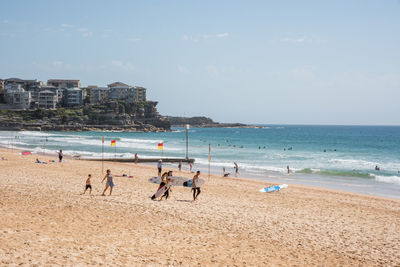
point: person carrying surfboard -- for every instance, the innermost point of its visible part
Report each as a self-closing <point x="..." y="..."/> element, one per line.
<point x="162" y="184"/>
<point x="195" y="188"/>
<point x="169" y="180"/>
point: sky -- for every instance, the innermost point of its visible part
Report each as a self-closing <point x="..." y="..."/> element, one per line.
<point x="264" y="62"/>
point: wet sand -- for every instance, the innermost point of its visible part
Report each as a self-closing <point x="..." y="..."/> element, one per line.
<point x="46" y="221"/>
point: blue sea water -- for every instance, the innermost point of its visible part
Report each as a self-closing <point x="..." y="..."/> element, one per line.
<point x="340" y="157"/>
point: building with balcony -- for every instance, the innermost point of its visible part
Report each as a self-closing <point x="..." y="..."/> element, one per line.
<point x="98" y="95"/>
<point x="73" y="97"/>
<point x="123" y="92"/>
<point x="47" y="99"/>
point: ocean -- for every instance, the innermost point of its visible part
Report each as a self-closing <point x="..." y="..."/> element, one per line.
<point x="338" y="157"/>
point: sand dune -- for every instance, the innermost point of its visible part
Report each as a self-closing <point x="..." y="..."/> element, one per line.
<point x="45" y="221"/>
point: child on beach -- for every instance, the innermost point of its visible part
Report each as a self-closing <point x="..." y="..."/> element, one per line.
<point x="109" y="183"/>
<point x="60" y="155"/>
<point x="88" y="185"/>
<point x="195" y="188"/>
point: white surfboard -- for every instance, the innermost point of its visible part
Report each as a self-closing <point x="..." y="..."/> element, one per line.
<point x="176" y="180"/>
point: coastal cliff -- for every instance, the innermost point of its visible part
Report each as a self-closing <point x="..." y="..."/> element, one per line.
<point x="205" y="122"/>
<point x="115" y="116"/>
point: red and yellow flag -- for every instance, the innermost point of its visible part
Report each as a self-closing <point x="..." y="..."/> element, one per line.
<point x="160" y="146"/>
<point x="113" y="142"/>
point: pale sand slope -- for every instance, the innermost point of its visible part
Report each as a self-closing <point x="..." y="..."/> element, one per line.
<point x="45" y="221"/>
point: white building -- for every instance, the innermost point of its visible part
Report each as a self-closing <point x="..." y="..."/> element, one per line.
<point x="127" y="93"/>
<point x="47" y="100"/>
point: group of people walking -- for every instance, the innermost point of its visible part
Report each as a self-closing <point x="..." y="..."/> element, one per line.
<point x="166" y="181"/>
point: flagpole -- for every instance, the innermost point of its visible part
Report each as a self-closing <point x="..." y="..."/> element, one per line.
<point x="102" y="155"/>
<point x="209" y="160"/>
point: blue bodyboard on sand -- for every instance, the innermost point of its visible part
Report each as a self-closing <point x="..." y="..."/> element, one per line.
<point x="274" y="188"/>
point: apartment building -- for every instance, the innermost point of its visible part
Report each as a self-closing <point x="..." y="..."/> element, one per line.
<point x="98" y="94"/>
<point x="127" y="93"/>
<point x="64" y="83"/>
<point x="73" y="97"/>
<point x="47" y="99"/>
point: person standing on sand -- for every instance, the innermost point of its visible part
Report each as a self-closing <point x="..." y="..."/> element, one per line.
<point x="180" y="165"/>
<point x="136" y="158"/>
<point x="88" y="185"/>
<point x="195" y="188"/>
<point x="236" y="167"/>
<point x="60" y="155"/>
<point x="109" y="182"/>
<point x="159" y="167"/>
<point x="191" y="166"/>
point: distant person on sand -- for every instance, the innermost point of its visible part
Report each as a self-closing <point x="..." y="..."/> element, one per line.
<point x="60" y="155"/>
<point x="236" y="167"/>
<point x="159" y="167"/>
<point x="88" y="185"/>
<point x="180" y="165"/>
<point x="109" y="183"/>
<point x="195" y="188"/>
<point x="136" y="158"/>
<point x="191" y="166"/>
<point x="39" y="161"/>
<point x="288" y="169"/>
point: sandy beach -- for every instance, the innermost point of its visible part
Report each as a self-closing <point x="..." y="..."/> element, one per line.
<point x="46" y="221"/>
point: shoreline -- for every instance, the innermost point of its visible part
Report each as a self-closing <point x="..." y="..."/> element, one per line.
<point x="46" y="220"/>
<point x="268" y="182"/>
<point x="278" y="178"/>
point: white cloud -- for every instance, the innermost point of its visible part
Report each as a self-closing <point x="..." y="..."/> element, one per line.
<point x="135" y="40"/>
<point x="213" y="70"/>
<point x="304" y="73"/>
<point x="122" y="65"/>
<point x="202" y="37"/>
<point x="58" y="64"/>
<point x="222" y="35"/>
<point x="182" y="69"/>
<point x="85" y="32"/>
<point x="66" y="25"/>
<point x="302" y="39"/>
